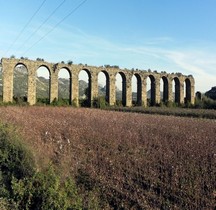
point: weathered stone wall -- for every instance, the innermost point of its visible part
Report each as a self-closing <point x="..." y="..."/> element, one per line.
<point x="181" y="82"/>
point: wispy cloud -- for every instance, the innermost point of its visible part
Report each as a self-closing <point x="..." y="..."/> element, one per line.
<point x="158" y="40"/>
<point x="198" y="62"/>
<point x="161" y="53"/>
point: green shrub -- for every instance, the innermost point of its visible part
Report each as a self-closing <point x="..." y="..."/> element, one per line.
<point x="45" y="101"/>
<point x="60" y="102"/>
<point x="100" y="102"/>
<point x="118" y="103"/>
<point x="6" y="204"/>
<point x="15" y="159"/>
<point x="205" y="103"/>
<point x="84" y="103"/>
<point x="15" y="162"/>
<point x="20" y="100"/>
<point x="45" y="191"/>
<point x="22" y="188"/>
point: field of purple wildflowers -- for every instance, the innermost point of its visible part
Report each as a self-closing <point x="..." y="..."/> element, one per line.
<point x="126" y="160"/>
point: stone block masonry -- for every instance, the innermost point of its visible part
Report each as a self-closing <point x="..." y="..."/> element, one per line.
<point x="183" y="90"/>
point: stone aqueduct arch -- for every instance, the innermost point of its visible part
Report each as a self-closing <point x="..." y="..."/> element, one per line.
<point x="9" y="64"/>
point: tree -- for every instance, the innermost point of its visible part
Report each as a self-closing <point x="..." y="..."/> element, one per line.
<point x="39" y="59"/>
<point x="45" y="190"/>
<point x="70" y="62"/>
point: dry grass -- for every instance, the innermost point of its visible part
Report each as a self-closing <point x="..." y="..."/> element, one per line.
<point x="137" y="161"/>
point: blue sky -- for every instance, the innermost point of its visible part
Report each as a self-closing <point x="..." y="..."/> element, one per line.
<point x="163" y="35"/>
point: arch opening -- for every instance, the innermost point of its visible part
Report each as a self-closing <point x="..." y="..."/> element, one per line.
<point x="198" y="95"/>
<point x="151" y="90"/>
<point x="64" y="86"/>
<point x="43" y="85"/>
<point x="120" y="89"/>
<point x="136" y="90"/>
<point x="20" y="84"/>
<point x="187" y="92"/>
<point x="84" y="88"/>
<point x="176" y="88"/>
<point x="103" y="86"/>
<point x="164" y="89"/>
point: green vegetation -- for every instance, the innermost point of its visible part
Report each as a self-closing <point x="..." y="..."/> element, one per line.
<point x="111" y="66"/>
<point x="43" y="101"/>
<point x="204" y="108"/>
<point x="205" y="103"/>
<point x="175" y="111"/>
<point x="40" y="59"/>
<point x="60" y="102"/>
<point x="100" y="102"/>
<point x="70" y="62"/>
<point x="45" y="190"/>
<point x="23" y="186"/>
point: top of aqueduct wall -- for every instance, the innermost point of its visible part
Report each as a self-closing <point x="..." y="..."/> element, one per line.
<point x="92" y="70"/>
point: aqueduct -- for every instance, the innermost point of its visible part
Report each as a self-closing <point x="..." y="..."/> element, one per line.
<point x="180" y="92"/>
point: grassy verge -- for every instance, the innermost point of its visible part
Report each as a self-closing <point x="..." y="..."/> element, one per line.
<point x="182" y="112"/>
